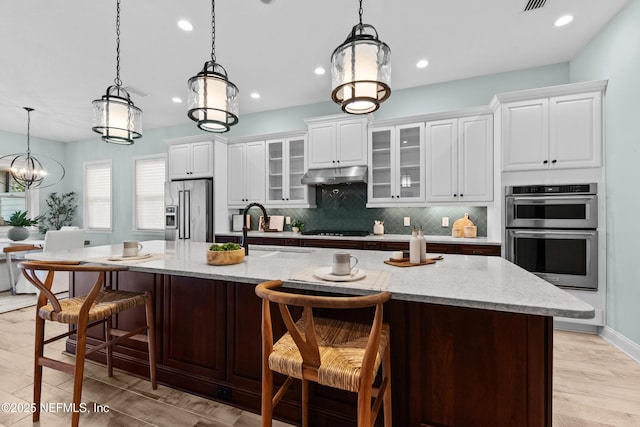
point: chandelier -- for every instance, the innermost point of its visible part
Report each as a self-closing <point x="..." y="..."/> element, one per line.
<point x="361" y="70"/>
<point x="27" y="170"/>
<point x="212" y="98"/>
<point x="116" y="118"/>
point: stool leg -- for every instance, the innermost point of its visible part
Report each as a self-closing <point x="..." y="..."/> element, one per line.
<point x="364" y="406"/>
<point x="107" y="336"/>
<point x="386" y="373"/>
<point x="266" y="411"/>
<point x="305" y="403"/>
<point x="78" y="375"/>
<point x="151" y="338"/>
<point x="37" y="367"/>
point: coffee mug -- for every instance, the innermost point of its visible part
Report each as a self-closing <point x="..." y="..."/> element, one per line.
<point x="342" y="263"/>
<point x="131" y="248"/>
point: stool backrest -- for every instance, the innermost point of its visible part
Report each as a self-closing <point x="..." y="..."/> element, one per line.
<point x="307" y="344"/>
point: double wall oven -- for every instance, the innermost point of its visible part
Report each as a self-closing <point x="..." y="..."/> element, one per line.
<point x="551" y="231"/>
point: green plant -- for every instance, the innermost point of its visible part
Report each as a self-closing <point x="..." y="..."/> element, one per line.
<point x="19" y="219"/>
<point x="62" y="211"/>
<point x="229" y="246"/>
<point x="297" y="223"/>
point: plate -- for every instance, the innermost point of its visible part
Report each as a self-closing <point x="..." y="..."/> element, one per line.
<point x="127" y="258"/>
<point x="324" y="273"/>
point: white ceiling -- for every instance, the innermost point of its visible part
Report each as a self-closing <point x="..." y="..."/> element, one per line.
<point x="58" y="55"/>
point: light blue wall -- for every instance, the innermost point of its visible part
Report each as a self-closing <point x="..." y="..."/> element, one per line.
<point x="614" y="54"/>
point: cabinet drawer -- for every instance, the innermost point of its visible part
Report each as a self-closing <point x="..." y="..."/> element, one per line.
<point x="225" y="239"/>
<point x="395" y="246"/>
<point x="372" y="246"/>
<point x="487" y="250"/>
<point x="443" y="248"/>
<point x="338" y="244"/>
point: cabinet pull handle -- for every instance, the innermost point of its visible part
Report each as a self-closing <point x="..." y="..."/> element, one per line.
<point x="545" y="162"/>
<point x="553" y="161"/>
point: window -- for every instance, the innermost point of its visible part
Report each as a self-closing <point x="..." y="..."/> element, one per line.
<point x="97" y="195"/>
<point x="150" y="175"/>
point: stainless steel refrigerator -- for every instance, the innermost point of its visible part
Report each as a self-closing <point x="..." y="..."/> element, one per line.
<point x="188" y="210"/>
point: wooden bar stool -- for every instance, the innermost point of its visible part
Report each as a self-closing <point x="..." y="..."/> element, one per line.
<point x="332" y="353"/>
<point x="98" y="306"/>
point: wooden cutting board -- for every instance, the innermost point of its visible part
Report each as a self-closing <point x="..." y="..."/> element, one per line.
<point x="404" y="262"/>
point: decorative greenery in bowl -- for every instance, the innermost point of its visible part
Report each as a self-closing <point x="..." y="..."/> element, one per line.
<point x="225" y="254"/>
<point x="297" y="225"/>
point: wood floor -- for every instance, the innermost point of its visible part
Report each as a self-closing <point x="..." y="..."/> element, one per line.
<point x="594" y="385"/>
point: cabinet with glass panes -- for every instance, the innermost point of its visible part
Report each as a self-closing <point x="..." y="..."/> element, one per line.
<point x="286" y="164"/>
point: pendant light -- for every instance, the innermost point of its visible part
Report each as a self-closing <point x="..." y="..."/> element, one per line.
<point x="115" y="116"/>
<point x="361" y="70"/>
<point x="212" y="98"/>
<point x="27" y="170"/>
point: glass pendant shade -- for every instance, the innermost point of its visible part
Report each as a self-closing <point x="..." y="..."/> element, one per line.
<point x="361" y="71"/>
<point x="212" y="99"/>
<point x="116" y="118"/>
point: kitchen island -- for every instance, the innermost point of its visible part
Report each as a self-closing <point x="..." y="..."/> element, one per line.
<point x="471" y="336"/>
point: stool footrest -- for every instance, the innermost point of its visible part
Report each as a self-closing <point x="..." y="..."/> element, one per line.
<point x="56" y="364"/>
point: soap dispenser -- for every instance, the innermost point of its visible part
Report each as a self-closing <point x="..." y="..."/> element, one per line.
<point x="414" y="247"/>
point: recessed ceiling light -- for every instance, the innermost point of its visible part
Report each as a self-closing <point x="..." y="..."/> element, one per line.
<point x="255" y="95"/>
<point x="564" y="20"/>
<point x="185" y="25"/>
<point x="176" y="100"/>
<point x="422" y="63"/>
<point x="319" y="71"/>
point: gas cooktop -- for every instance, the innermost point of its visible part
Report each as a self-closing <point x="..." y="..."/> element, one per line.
<point x="335" y="233"/>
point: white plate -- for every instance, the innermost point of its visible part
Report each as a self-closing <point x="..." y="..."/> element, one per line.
<point x="324" y="273"/>
<point x="128" y="258"/>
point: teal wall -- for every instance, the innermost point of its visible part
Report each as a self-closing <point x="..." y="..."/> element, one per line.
<point x="614" y="54"/>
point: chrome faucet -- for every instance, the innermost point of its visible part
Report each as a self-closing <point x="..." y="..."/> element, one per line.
<point x="245" y="243"/>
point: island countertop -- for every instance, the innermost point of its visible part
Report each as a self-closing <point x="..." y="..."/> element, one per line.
<point x="489" y="283"/>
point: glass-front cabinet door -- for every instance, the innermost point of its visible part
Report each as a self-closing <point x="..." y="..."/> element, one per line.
<point x="275" y="168"/>
<point x="296" y="168"/>
<point x="286" y="164"/>
<point x="396" y="167"/>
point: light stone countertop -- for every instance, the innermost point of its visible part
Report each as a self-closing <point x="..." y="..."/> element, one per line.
<point x="474" y="281"/>
<point x="369" y="238"/>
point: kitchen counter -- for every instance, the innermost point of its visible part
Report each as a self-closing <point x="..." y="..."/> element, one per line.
<point x="489" y="283"/>
<point x="368" y="238"/>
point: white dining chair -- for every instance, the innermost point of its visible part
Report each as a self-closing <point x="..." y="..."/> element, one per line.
<point x="55" y="240"/>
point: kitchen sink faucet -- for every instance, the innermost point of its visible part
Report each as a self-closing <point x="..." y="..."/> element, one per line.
<point x="245" y="243"/>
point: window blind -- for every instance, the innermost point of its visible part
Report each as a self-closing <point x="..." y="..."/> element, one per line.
<point x="97" y="176"/>
<point x="150" y="176"/>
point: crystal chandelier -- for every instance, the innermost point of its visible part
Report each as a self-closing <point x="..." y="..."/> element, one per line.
<point x="116" y="118"/>
<point x="27" y="171"/>
<point x="361" y="70"/>
<point x="212" y="98"/>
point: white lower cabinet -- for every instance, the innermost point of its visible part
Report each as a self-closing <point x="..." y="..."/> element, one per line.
<point x="286" y="164"/>
<point x="396" y="165"/>
<point x="246" y="173"/>
<point x="460" y="159"/>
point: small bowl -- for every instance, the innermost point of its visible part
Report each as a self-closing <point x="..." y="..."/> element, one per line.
<point x="225" y="257"/>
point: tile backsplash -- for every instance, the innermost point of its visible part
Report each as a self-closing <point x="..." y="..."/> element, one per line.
<point x="344" y="208"/>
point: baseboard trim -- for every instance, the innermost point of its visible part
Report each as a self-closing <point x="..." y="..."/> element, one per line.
<point x="621" y="342"/>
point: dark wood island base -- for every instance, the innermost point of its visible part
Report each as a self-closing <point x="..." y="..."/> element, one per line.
<point x="451" y="366"/>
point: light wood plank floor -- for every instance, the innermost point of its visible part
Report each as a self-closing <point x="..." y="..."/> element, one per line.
<point x="594" y="385"/>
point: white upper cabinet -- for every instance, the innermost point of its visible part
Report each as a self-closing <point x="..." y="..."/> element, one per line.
<point x="460" y="159"/>
<point x="191" y="160"/>
<point x="557" y="132"/>
<point x="286" y="164"/>
<point x="396" y="166"/>
<point x="337" y="142"/>
<point x="246" y="173"/>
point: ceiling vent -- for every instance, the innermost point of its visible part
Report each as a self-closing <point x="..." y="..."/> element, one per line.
<point x="534" y="4"/>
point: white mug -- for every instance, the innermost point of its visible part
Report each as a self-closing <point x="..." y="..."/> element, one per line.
<point x="131" y="248"/>
<point x="342" y="263"/>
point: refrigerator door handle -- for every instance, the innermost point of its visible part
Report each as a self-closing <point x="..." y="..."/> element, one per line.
<point x="187" y="211"/>
<point x="180" y="214"/>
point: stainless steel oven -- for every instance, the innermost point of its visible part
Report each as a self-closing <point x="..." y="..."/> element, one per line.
<point x="551" y="232"/>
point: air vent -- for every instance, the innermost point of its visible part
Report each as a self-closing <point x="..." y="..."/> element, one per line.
<point x="534" y="4"/>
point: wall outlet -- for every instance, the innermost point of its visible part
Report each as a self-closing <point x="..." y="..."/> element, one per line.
<point x="287" y="220"/>
<point x="445" y="221"/>
<point x="407" y="221"/>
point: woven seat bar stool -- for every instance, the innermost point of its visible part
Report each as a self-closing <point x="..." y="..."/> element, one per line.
<point x="332" y="353"/>
<point x="97" y="307"/>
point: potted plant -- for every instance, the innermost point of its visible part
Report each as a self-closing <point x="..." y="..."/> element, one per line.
<point x="297" y="226"/>
<point x="62" y="210"/>
<point x="225" y="254"/>
<point x="19" y="222"/>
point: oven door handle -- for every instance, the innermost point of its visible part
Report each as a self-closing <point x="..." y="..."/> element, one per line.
<point x="556" y="232"/>
<point x="560" y="199"/>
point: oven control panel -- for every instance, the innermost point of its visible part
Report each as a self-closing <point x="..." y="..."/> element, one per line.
<point x="552" y="189"/>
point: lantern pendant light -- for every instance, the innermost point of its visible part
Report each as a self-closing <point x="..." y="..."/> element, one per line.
<point x="27" y="171"/>
<point x="116" y="118"/>
<point x="361" y="70"/>
<point x="212" y="98"/>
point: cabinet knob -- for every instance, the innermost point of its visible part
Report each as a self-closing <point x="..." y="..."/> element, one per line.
<point x="333" y="161"/>
<point x="398" y="196"/>
<point x="461" y="195"/>
<point x="553" y="161"/>
<point x="545" y="162"/>
<point x="455" y="194"/>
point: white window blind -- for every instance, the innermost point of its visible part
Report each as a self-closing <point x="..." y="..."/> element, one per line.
<point x="150" y="176"/>
<point x="97" y="195"/>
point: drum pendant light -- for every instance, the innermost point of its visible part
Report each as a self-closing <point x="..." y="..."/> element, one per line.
<point x="212" y="98"/>
<point x="28" y="171"/>
<point x="116" y="118"/>
<point x="361" y="70"/>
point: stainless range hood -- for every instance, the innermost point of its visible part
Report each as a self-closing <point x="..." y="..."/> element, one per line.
<point x="331" y="176"/>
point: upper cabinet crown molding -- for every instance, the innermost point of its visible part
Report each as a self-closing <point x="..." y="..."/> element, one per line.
<point x="268" y="136"/>
<point x="442" y="115"/>
<point x="550" y="91"/>
<point x="196" y="138"/>
<point x="337" y="117"/>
